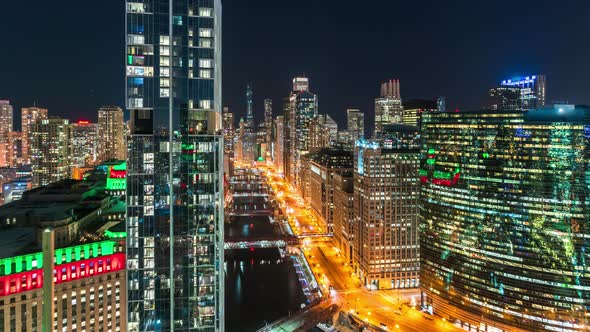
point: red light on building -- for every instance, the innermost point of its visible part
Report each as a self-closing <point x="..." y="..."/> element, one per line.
<point x="83" y="122"/>
<point x="26" y="281"/>
<point x="115" y="174"/>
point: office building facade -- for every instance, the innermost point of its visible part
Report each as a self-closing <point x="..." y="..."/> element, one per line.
<point x="386" y="191"/>
<point x="175" y="166"/>
<point x="532" y="90"/>
<point x="504" y="223"/>
<point x="355" y="125"/>
<point x="388" y="107"/>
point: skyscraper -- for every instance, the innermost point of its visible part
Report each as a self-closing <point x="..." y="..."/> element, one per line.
<point x="6" y="119"/>
<point x="175" y="172"/>
<point x="268" y="120"/>
<point x="84" y="143"/>
<point x="505" y="220"/>
<point x="228" y="131"/>
<point x="355" y="120"/>
<point x="504" y="98"/>
<point x="6" y="116"/>
<point x="532" y="90"/>
<point x="414" y="108"/>
<point x="50" y="152"/>
<point x="249" y="135"/>
<point x="30" y="115"/>
<point x="279" y="143"/>
<point x="303" y="107"/>
<point x="388" y="108"/>
<point x="386" y="188"/>
<point x="111" y="133"/>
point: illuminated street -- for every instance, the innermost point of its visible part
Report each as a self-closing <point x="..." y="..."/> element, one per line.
<point x="385" y="307"/>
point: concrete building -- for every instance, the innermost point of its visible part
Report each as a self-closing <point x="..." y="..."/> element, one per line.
<point x="29" y="117"/>
<point x="386" y="191"/>
<point x="51" y="157"/>
<point x="324" y="165"/>
<point x="111" y="133"/>
<point x="343" y="214"/>
<point x="89" y="289"/>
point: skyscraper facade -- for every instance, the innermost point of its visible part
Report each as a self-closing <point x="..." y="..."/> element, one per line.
<point x="228" y="131"/>
<point x="386" y="191"/>
<point x="84" y="143"/>
<point x="268" y="120"/>
<point x="175" y="166"/>
<point x="111" y="133"/>
<point x="355" y="120"/>
<point x="303" y="107"/>
<point x="279" y="143"/>
<point x="6" y="120"/>
<point x="414" y="108"/>
<point x="388" y="108"/>
<point x="532" y="90"/>
<point x="504" y="218"/>
<point x="29" y="116"/>
<point x="504" y="98"/>
<point x="249" y="135"/>
<point x="50" y="152"/>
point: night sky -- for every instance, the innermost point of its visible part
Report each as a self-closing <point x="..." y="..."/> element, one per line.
<point x="68" y="55"/>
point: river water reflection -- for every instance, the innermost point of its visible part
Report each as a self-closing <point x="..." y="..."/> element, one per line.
<point x="260" y="285"/>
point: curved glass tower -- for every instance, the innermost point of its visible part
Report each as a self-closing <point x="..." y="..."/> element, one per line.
<point x="505" y="218"/>
<point x="174" y="180"/>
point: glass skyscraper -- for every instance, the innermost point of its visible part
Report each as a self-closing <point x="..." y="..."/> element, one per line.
<point x="505" y="218"/>
<point x="175" y="165"/>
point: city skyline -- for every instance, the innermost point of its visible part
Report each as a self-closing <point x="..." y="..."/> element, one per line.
<point x="322" y="166"/>
<point x="451" y="71"/>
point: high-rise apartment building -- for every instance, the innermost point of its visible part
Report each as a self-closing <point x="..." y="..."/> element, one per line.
<point x="6" y="116"/>
<point x="332" y="129"/>
<point x="30" y="116"/>
<point x="532" y="91"/>
<point x="89" y="289"/>
<point x="175" y="166"/>
<point x="50" y="152"/>
<point x="355" y="125"/>
<point x="111" y="133"/>
<point x="6" y="129"/>
<point x="84" y="143"/>
<point x="388" y="107"/>
<point x="386" y="188"/>
<point x="505" y="220"/>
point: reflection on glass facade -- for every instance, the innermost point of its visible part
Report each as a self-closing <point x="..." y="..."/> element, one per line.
<point x="174" y="167"/>
<point x="505" y="218"/>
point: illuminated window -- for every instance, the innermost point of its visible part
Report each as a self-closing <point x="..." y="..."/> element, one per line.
<point x="205" y="12"/>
